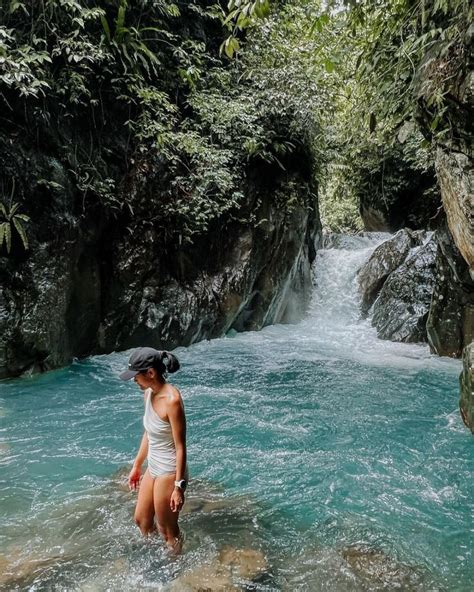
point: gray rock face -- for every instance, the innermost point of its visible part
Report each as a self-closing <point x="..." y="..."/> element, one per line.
<point x="385" y="259"/>
<point x="454" y="149"/>
<point x="422" y="291"/>
<point x="467" y="387"/>
<point x="450" y="324"/>
<point x="456" y="178"/>
<point x="93" y="290"/>
<point x="401" y="310"/>
<point x="243" y="279"/>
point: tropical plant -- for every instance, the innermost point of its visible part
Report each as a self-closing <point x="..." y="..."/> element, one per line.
<point x="11" y="219"/>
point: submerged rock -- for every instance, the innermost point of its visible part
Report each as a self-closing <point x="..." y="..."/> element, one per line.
<point x="245" y="563"/>
<point x="377" y="569"/>
<point x="467" y="387"/>
<point x="401" y="310"/>
<point x="232" y="571"/>
<point x="358" y="567"/>
<point x="384" y="260"/>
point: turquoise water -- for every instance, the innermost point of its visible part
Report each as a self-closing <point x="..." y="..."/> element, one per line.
<point x="339" y="457"/>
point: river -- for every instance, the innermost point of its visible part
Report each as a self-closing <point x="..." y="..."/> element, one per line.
<point x="338" y="459"/>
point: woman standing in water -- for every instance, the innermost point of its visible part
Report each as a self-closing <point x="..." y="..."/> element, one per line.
<point x="161" y="490"/>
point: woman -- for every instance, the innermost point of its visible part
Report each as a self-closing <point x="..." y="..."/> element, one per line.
<point x="161" y="490"/>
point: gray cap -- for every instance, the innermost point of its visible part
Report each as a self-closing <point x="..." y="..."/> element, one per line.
<point x="142" y="359"/>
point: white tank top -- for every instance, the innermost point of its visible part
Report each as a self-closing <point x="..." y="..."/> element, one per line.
<point x="161" y="448"/>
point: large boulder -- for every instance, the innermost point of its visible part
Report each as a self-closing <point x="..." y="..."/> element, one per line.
<point x="95" y="288"/>
<point x="450" y="324"/>
<point x="384" y="260"/>
<point x="401" y="310"/>
<point x="467" y="387"/>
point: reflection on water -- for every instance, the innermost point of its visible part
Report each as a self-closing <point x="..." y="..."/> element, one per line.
<point x="321" y="457"/>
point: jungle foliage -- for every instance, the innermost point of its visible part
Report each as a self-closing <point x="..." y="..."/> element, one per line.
<point x="381" y="154"/>
<point x="197" y="91"/>
<point x="376" y="53"/>
<point x="122" y="89"/>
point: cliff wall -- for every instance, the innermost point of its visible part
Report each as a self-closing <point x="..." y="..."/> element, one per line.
<point x="94" y="284"/>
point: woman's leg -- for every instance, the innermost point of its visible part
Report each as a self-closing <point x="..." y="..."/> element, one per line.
<point x="145" y="510"/>
<point x="166" y="519"/>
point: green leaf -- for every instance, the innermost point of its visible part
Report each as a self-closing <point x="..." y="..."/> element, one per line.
<point x="316" y="25"/>
<point x="13" y="209"/>
<point x="324" y="18"/>
<point x="8" y="236"/>
<point x="21" y="232"/>
<point x="434" y="124"/>
<point x="121" y="15"/>
<point x="106" y="27"/>
<point x="329" y="65"/>
<point x="230" y="16"/>
<point x="228" y="46"/>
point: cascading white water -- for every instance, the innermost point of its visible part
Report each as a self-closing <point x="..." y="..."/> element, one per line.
<point x="334" y="323"/>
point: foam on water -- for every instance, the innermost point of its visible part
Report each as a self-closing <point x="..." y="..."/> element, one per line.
<point x="340" y="457"/>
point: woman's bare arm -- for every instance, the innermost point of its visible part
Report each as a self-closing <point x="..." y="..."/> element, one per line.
<point x="135" y="473"/>
<point x="142" y="451"/>
<point x="178" y="427"/>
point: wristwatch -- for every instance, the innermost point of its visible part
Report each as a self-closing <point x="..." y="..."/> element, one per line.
<point x="181" y="484"/>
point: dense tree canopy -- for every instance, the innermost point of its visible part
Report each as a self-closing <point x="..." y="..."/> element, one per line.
<point x="203" y="88"/>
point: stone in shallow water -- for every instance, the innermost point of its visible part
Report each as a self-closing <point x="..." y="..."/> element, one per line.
<point x="378" y="569"/>
<point x="19" y="571"/>
<point x="207" y="578"/>
<point x="353" y="568"/>
<point x="219" y="575"/>
<point x="383" y="261"/>
<point x="246" y="563"/>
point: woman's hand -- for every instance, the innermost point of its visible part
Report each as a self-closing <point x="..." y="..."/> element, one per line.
<point x="177" y="500"/>
<point x="134" y="477"/>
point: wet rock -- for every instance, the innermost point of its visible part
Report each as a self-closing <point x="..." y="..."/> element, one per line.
<point x="401" y="310"/>
<point x="19" y="572"/>
<point x="467" y="387"/>
<point x="384" y="260"/>
<point x="93" y="289"/>
<point x="358" y="567"/>
<point x="376" y="568"/>
<point x="231" y="571"/>
<point x="245" y="563"/>
<point x="450" y="324"/>
<point x="208" y="578"/>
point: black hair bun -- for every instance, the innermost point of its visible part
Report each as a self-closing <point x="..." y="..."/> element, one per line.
<point x="170" y="362"/>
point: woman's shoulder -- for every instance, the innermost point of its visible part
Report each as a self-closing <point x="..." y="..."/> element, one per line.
<point x="174" y="396"/>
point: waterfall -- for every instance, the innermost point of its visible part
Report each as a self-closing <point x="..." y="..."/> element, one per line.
<point x="334" y="325"/>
